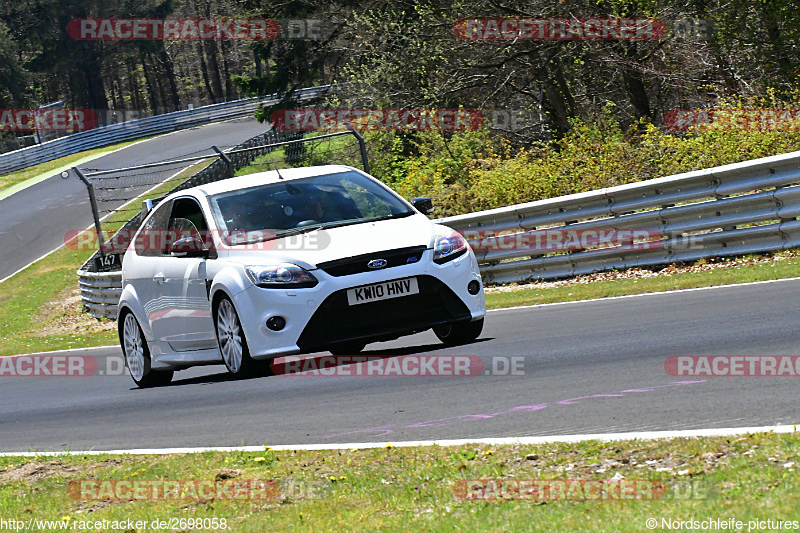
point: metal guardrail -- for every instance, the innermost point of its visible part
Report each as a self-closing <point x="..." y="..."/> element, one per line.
<point x="143" y="127"/>
<point x="734" y="209"/>
<point x="100" y="292"/>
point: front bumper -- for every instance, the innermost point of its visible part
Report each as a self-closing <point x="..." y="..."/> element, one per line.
<point x="319" y="316"/>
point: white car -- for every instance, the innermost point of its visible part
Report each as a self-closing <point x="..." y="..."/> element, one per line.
<point x="284" y="262"/>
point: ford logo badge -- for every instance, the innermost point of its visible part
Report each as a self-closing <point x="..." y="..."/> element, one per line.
<point x="377" y="263"/>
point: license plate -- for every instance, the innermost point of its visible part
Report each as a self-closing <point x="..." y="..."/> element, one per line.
<point x="382" y="291"/>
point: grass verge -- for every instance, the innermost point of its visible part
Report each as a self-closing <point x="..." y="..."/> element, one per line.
<point x="781" y="266"/>
<point x="13" y="178"/>
<point x="40" y="308"/>
<point x="752" y="477"/>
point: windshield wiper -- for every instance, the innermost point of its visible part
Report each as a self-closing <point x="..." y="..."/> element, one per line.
<point x="270" y="235"/>
<point x="387" y="217"/>
<point x="355" y="221"/>
<point x="298" y="231"/>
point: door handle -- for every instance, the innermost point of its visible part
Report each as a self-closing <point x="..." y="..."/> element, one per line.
<point x="159" y="278"/>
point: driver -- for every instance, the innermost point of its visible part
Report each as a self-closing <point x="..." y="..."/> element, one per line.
<point x="313" y="209"/>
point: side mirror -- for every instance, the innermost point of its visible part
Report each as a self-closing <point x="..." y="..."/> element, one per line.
<point x="147" y="206"/>
<point x="188" y="247"/>
<point x="423" y="205"/>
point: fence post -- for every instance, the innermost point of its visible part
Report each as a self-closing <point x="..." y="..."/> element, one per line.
<point x="89" y="187"/>
<point x="228" y="162"/>
<point x="362" y="145"/>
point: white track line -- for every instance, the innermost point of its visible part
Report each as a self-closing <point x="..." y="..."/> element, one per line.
<point x="32" y="262"/>
<point x="35" y="180"/>
<point x="65" y="350"/>
<point x="638" y="435"/>
<point x="91" y="228"/>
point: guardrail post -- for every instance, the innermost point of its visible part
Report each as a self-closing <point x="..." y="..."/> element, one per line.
<point x="93" y="201"/>
<point x="362" y="145"/>
<point x="228" y="162"/>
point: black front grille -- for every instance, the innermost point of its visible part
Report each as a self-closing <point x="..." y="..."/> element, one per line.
<point x="358" y="263"/>
<point x="337" y="321"/>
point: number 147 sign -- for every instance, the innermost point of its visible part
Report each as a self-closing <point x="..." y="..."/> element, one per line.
<point x="107" y="262"/>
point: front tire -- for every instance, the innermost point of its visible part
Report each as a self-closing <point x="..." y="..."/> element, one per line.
<point x="137" y="355"/>
<point x="459" y="333"/>
<point x="231" y="341"/>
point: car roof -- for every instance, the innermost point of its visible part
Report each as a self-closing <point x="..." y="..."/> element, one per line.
<point x="263" y="178"/>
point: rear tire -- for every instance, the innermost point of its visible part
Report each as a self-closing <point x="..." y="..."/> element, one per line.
<point x="137" y="355"/>
<point x="459" y="333"/>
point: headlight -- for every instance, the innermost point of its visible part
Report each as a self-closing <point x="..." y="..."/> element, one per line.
<point x="448" y="247"/>
<point x="284" y="275"/>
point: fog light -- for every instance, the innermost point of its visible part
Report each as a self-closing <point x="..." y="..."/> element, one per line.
<point x="276" y="323"/>
<point x="473" y="287"/>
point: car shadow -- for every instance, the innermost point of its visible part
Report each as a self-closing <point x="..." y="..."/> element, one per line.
<point x="276" y="369"/>
<point x="220" y="377"/>
<point x="423" y="348"/>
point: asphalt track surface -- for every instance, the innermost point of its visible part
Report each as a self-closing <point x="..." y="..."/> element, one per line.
<point x="34" y="221"/>
<point x="589" y="367"/>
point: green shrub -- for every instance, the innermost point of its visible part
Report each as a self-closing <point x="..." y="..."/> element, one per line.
<point x="470" y="171"/>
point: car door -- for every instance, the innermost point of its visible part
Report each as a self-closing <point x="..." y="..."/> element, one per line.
<point x="148" y="249"/>
<point x="184" y="321"/>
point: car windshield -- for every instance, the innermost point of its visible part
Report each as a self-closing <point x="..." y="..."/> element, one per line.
<point x="295" y="206"/>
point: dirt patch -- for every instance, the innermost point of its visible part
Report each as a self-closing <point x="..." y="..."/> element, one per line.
<point x="65" y="316"/>
<point x="227" y="473"/>
<point x="37" y="470"/>
<point x="54" y="268"/>
<point x="87" y="507"/>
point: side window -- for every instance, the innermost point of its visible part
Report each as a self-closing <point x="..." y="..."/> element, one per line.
<point x="150" y="239"/>
<point x="187" y="220"/>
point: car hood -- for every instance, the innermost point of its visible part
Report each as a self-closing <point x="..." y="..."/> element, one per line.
<point x="310" y="249"/>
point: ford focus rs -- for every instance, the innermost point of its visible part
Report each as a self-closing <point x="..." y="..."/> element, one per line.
<point x="243" y="270"/>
